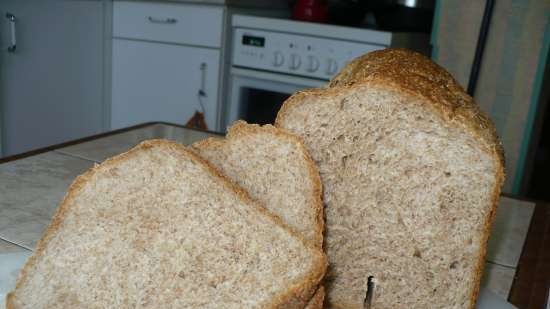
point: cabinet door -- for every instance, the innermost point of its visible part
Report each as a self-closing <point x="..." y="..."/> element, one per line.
<point x="161" y="82"/>
<point x="51" y="86"/>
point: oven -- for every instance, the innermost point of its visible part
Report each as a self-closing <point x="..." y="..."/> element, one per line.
<point x="257" y="96"/>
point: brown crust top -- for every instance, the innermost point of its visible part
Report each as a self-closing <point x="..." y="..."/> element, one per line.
<point x="297" y="294"/>
<point x="418" y="75"/>
<point x="415" y="75"/>
<point x="241" y="129"/>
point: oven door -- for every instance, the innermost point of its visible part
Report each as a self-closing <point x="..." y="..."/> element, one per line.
<point x="256" y="96"/>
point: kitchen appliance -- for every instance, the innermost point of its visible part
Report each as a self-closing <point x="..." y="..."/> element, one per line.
<point x="273" y="58"/>
<point x="404" y="15"/>
<point x="310" y="10"/>
<point x="387" y="15"/>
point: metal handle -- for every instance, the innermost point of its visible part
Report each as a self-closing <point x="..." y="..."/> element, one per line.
<point x="202" y="90"/>
<point x="13" y="46"/>
<point x="162" y="21"/>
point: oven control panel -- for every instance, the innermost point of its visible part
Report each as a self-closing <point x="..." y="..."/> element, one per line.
<point x="294" y="54"/>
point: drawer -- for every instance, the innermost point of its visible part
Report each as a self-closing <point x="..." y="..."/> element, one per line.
<point x="167" y="22"/>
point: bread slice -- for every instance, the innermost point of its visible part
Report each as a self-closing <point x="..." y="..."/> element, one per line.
<point x="411" y="171"/>
<point x="157" y="227"/>
<point x="274" y="167"/>
<point x="277" y="171"/>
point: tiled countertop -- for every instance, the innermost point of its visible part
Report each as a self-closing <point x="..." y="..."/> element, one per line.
<point x="32" y="187"/>
<point x="100" y="149"/>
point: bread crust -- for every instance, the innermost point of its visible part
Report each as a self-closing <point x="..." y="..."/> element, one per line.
<point x="295" y="297"/>
<point x="317" y="301"/>
<point x="412" y="74"/>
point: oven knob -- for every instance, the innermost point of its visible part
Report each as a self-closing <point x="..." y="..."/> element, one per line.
<point x="278" y="59"/>
<point x="295" y="62"/>
<point x="332" y="67"/>
<point x="312" y="64"/>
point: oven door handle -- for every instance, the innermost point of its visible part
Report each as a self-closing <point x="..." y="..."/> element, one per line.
<point x="278" y="77"/>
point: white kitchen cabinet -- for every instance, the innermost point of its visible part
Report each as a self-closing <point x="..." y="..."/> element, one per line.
<point x="52" y="84"/>
<point x="161" y="82"/>
<point x="164" y="56"/>
<point x="169" y="22"/>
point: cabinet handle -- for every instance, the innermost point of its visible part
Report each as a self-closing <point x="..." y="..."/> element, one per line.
<point x="11" y="18"/>
<point x="155" y="20"/>
<point x="202" y="90"/>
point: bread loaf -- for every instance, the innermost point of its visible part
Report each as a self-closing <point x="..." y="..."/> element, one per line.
<point x="157" y="227"/>
<point x="411" y="171"/>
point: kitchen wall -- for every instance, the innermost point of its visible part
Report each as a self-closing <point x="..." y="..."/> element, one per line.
<point x="511" y="73"/>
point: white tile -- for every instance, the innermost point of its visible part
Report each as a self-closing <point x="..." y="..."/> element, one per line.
<point x="10" y="266"/>
<point x="103" y="148"/>
<point x="8" y="247"/>
<point x="30" y="191"/>
<point x="498" y="279"/>
<point x="509" y="230"/>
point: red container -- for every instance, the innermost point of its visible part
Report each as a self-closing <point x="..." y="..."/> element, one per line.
<point x="310" y="10"/>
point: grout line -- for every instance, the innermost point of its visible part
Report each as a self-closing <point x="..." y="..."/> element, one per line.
<point x="16" y="244"/>
<point x="501" y="265"/>
<point x="75" y="156"/>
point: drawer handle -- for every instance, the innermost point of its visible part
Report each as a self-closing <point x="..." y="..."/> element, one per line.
<point x="162" y="21"/>
<point x="12" y="20"/>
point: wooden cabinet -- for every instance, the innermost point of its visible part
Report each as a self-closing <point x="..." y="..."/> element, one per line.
<point x="166" y="62"/>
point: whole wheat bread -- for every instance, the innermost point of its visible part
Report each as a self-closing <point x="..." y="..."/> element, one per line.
<point x="157" y="227"/>
<point x="274" y="167"/>
<point x="411" y="171"/>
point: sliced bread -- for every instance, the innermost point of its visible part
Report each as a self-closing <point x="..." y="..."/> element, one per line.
<point x="277" y="171"/>
<point x="157" y="227"/>
<point x="411" y="171"/>
<point x="274" y="167"/>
